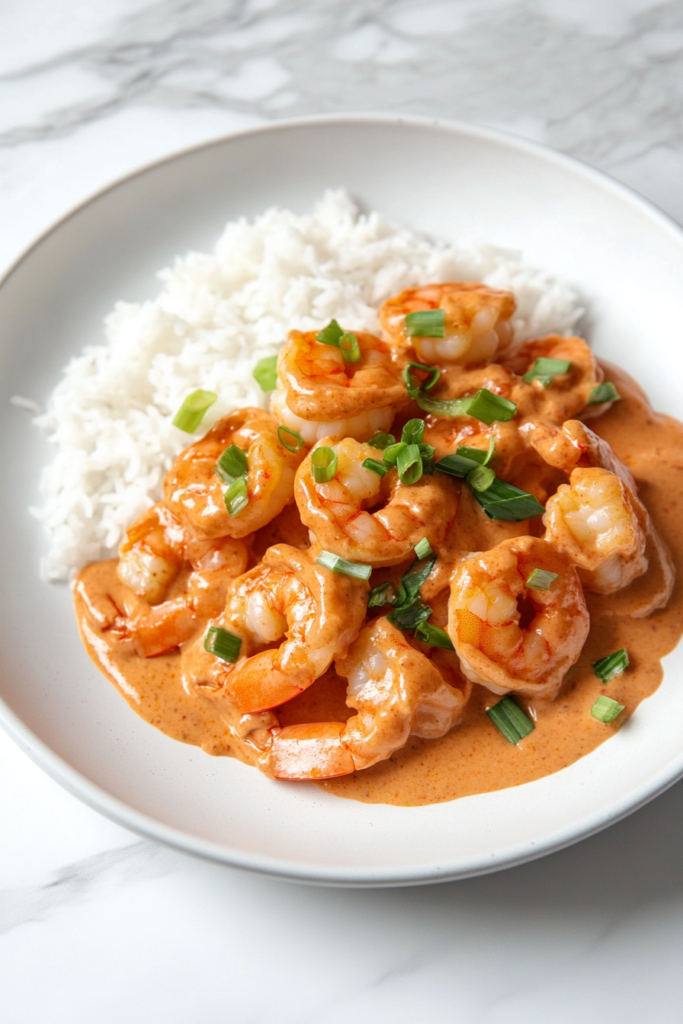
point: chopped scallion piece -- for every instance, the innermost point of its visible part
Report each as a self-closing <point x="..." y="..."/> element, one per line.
<point x="545" y="369"/>
<point x="410" y="616"/>
<point x="391" y="453"/>
<point x="426" y="323"/>
<point x="336" y="563"/>
<point x="478" y="454"/>
<point x="385" y="593"/>
<point x="265" y="373"/>
<point x="605" y="709"/>
<point x="481" y="478"/>
<point x="505" y="502"/>
<point x="605" y="392"/>
<point x="382" y="441"/>
<point x="484" y="406"/>
<point x="541" y="579"/>
<point x="434" y="636"/>
<point x="423" y="548"/>
<point x="422" y="385"/>
<point x="409" y="464"/>
<point x="514" y="723"/>
<point x="413" y="432"/>
<point x="237" y="496"/>
<point x="191" y="412"/>
<point x="323" y="464"/>
<point x="456" y="465"/>
<point x="284" y="434"/>
<point x="349" y="347"/>
<point x="427" y="453"/>
<point x="330" y="335"/>
<point x="232" y="463"/>
<point x="412" y="582"/>
<point x="223" y="644"/>
<point x="380" y="468"/>
<point x="611" y="666"/>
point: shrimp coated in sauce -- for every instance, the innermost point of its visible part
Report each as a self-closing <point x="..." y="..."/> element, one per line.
<point x="477" y="322"/>
<point x="509" y="636"/>
<point x="568" y="393"/>
<point x="574" y="446"/>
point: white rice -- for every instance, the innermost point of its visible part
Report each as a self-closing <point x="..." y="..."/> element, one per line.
<point x="217" y="314"/>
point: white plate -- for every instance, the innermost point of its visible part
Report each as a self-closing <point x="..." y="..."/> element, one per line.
<point x="453" y="181"/>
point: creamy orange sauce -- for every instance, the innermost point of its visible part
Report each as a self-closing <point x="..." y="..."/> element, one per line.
<point x="475" y="757"/>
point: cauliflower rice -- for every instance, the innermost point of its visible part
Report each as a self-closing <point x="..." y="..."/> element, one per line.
<point x="217" y="314"/>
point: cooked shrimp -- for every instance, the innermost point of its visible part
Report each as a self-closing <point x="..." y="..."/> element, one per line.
<point x="196" y="494"/>
<point x="318" y="612"/>
<point x="321" y="395"/>
<point x="338" y="511"/>
<point x="574" y="446"/>
<point x="600" y="524"/>
<point x="477" y="321"/>
<point x="396" y="691"/>
<point x="509" y="636"/>
<point x="568" y="393"/>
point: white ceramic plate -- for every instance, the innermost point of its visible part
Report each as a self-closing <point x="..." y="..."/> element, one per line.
<point x="453" y="181"/>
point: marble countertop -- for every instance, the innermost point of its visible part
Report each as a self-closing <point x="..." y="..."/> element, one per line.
<point x="96" y="924"/>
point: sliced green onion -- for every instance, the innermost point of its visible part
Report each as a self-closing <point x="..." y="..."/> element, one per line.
<point x="349" y="347"/>
<point x="605" y="709"/>
<point x="382" y="441"/>
<point x="380" y="468"/>
<point x="265" y="373"/>
<point x="409" y="464"/>
<point x="330" y="335"/>
<point x="434" y="636"/>
<point x="285" y="432"/>
<point x="427" y="453"/>
<point x="611" y="666"/>
<point x="413" y="432"/>
<point x="423" y="548"/>
<point x="410" y="616"/>
<point x="191" y="412"/>
<point x="480" y="456"/>
<point x="426" y="323"/>
<point x="514" y="723"/>
<point x="336" y="563"/>
<point x="545" y="369"/>
<point x="232" y="463"/>
<point x="484" y="406"/>
<point x="456" y="465"/>
<point x="323" y="464"/>
<point x="605" y="392"/>
<point x="391" y="453"/>
<point x="413" y="581"/>
<point x="541" y="579"/>
<point x="237" y="496"/>
<point x="385" y="593"/>
<point x="481" y="478"/>
<point x="223" y="644"/>
<point x="413" y="389"/>
<point x="508" y="503"/>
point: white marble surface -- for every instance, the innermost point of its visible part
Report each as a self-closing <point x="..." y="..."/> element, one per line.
<point x="98" y="925"/>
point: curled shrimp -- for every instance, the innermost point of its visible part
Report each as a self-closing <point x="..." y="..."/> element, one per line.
<point x="321" y="395"/>
<point x="288" y="597"/>
<point x="509" y="636"/>
<point x="600" y="524"/>
<point x="338" y="511"/>
<point x="477" y="321"/>
<point x="396" y="692"/>
<point x="568" y="393"/>
<point x="573" y="446"/>
<point x="196" y="494"/>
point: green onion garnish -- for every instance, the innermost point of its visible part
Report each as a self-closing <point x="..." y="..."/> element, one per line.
<point x="434" y="636"/>
<point x="391" y="453"/>
<point x="427" y="453"/>
<point x="380" y="468"/>
<point x="484" y="406"/>
<point x="514" y="723"/>
<point x="505" y="502"/>
<point x="605" y="392"/>
<point x="382" y="441"/>
<point x="410" y="616"/>
<point x="283" y="433"/>
<point x="385" y="593"/>
<point x="232" y="463"/>
<point x="456" y="465"/>
<point x="605" y="709"/>
<point x="237" y="496"/>
<point x="412" y="582"/>
<point x="413" y="389"/>
<point x="265" y="373"/>
<point x="349" y="348"/>
<point x="423" y="548"/>
<point x="545" y="369"/>
<point x="611" y="666"/>
<point x="330" y="335"/>
<point x="541" y="579"/>
<point x="191" y="412"/>
<point x="426" y="323"/>
<point x="223" y="644"/>
<point x="336" y="563"/>
<point x="481" y="478"/>
<point x="409" y="464"/>
<point x="323" y="464"/>
<point x="413" y="432"/>
<point x="480" y="456"/>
